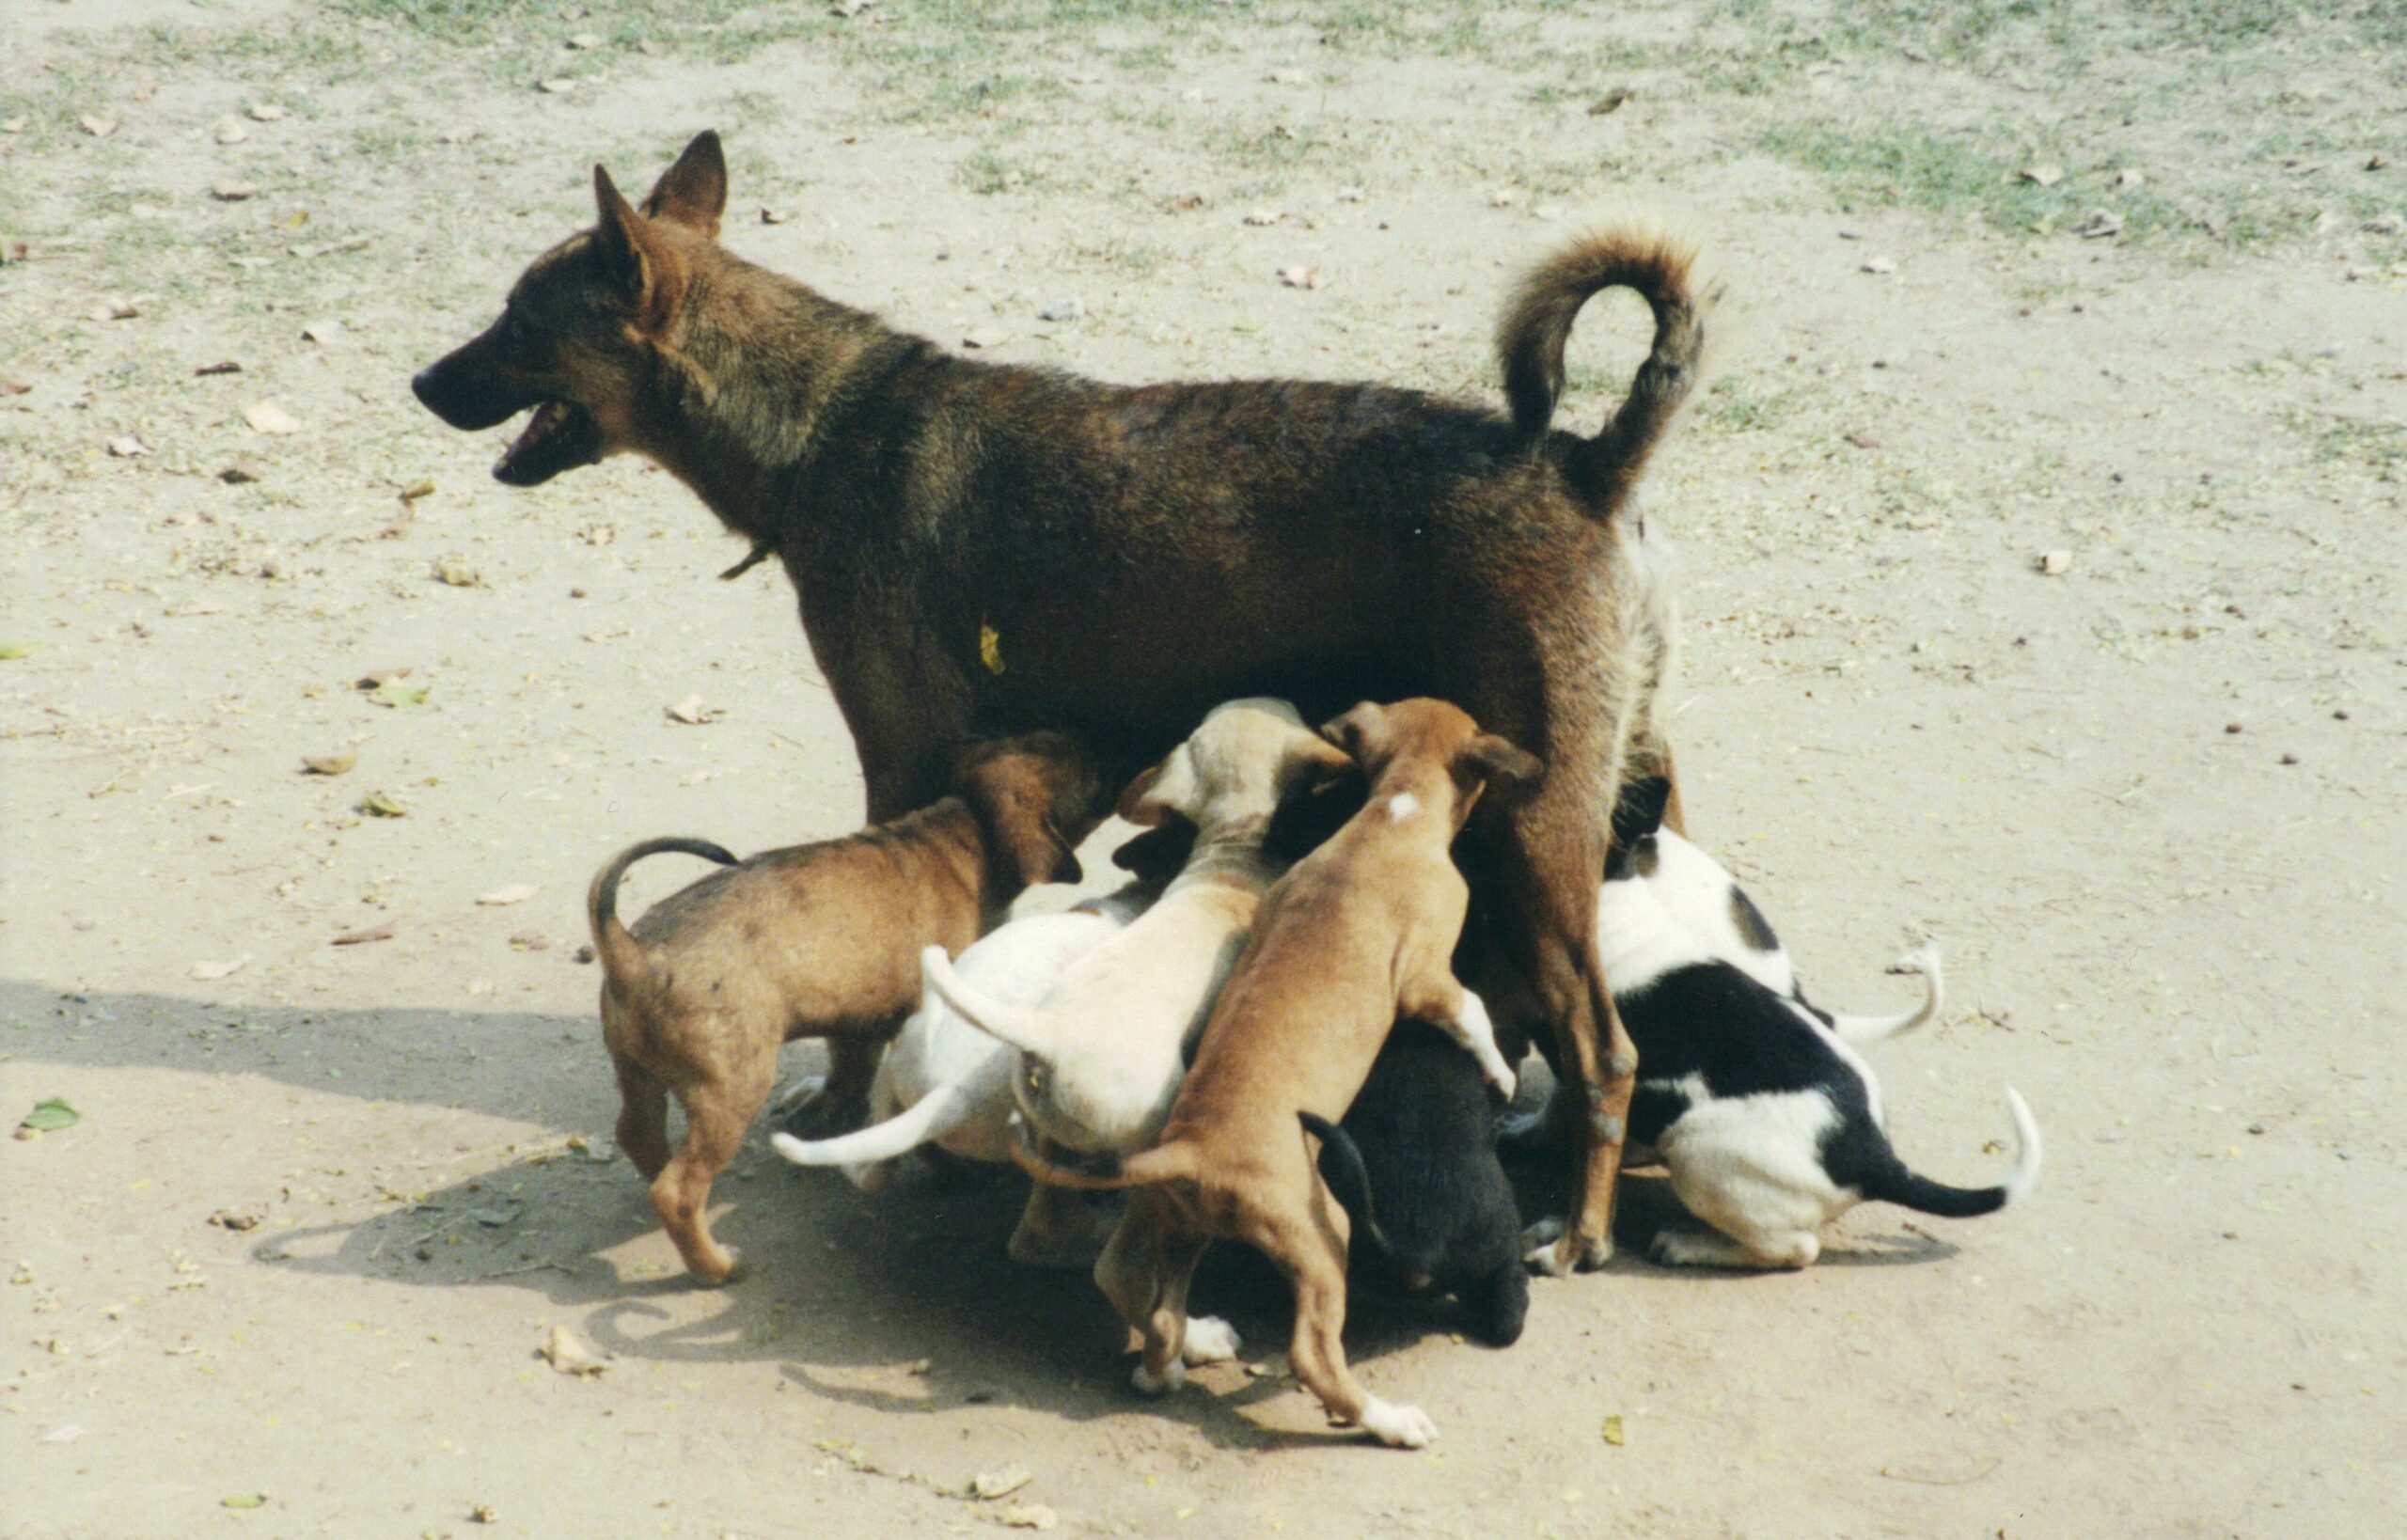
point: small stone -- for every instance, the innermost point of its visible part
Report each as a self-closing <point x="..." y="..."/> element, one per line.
<point x="556" y="85"/>
<point x="1611" y="102"/>
<point x="2043" y="176"/>
<point x="1068" y="307"/>
<point x="774" y="216"/>
<point x="231" y="132"/>
<point x="2389" y="223"/>
<point x="96" y="126"/>
<point x="2231" y="727"/>
<point x="1302" y="277"/>
<point x="984" y="337"/>
<point x="2290" y="759"/>
<point x="1263" y="216"/>
<point x="1502" y="197"/>
<point x="235" y="473"/>
<point x="1879" y="264"/>
<point x="2128" y="177"/>
<point x="266" y="112"/>
<point x="233" y="192"/>
<point x="2100" y="225"/>
<point x="2376" y="160"/>
<point x="128" y="448"/>
<point x="268" y="418"/>
<point x="321" y="332"/>
<point x="1349" y="194"/>
<point x="585" y="41"/>
<point x="2054" y="563"/>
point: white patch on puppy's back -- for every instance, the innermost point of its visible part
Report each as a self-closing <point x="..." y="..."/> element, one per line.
<point x="1402" y="806"/>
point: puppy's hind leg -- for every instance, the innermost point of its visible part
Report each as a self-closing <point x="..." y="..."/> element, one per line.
<point x="643" y="1116"/>
<point x="717" y="1114"/>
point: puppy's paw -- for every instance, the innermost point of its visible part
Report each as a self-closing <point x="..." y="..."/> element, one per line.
<point x="1398" y="1427"/>
<point x="1209" y="1340"/>
<point x="1169" y="1380"/>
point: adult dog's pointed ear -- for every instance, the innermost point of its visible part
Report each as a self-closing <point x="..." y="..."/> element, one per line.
<point x="693" y="192"/>
<point x="648" y="273"/>
<point x="1508" y="773"/>
<point x="1363" y="733"/>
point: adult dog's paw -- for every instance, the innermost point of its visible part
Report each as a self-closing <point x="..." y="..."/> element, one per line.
<point x="1398" y="1427"/>
<point x="1169" y="1380"/>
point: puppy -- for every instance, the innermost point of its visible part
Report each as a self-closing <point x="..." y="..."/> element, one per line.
<point x="1100" y="1056"/>
<point x="945" y="1083"/>
<point x="1766" y="1118"/>
<point x="1355" y="935"/>
<point x="1414" y="1165"/>
<point x="818" y="940"/>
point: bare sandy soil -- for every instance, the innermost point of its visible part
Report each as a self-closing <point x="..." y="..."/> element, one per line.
<point x="290" y="1271"/>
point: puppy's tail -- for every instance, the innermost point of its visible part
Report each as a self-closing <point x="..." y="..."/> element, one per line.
<point x="1894" y="1184"/>
<point x="1865" y="1030"/>
<point x="1350" y="1183"/>
<point x="1023" y="1029"/>
<point x="1537" y="325"/>
<point x="1172" y="1162"/>
<point x="925" y="1121"/>
<point x="622" y="955"/>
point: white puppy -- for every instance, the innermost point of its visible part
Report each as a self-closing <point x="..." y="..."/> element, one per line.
<point x="1101" y="1055"/>
<point x="944" y="1082"/>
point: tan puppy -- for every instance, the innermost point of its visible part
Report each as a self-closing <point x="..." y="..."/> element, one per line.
<point x="1359" y="932"/>
<point x="1102" y="1052"/>
<point x="819" y="940"/>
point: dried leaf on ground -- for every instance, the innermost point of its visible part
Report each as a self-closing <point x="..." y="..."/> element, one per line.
<point x="224" y="366"/>
<point x="235" y="1219"/>
<point x="244" y="1500"/>
<point x="96" y="126"/>
<point x="557" y="85"/>
<point x="234" y="192"/>
<point x="1880" y="264"/>
<point x="11" y="650"/>
<point x="362" y="937"/>
<point x="1610" y="102"/>
<point x="210" y="971"/>
<point x="514" y="893"/>
<point x="392" y="692"/>
<point x="984" y="337"/>
<point x="231" y="132"/>
<point x="128" y="448"/>
<point x="383" y="805"/>
<point x="266" y="112"/>
<point x="569" y="1353"/>
<point x="2100" y="223"/>
<point x="452" y="572"/>
<point x="268" y="418"/>
<point x="2043" y="176"/>
<point x="328" y="764"/>
<point x="1026" y="1515"/>
<point x="692" y="713"/>
<point x="1613" y="1434"/>
<point x="990" y="1485"/>
<point x="1302" y="277"/>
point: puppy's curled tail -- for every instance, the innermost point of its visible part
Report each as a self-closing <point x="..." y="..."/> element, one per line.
<point x="1893" y="1183"/>
<point x="925" y="1121"/>
<point x="622" y="955"/>
<point x="1537" y="325"/>
<point x="1350" y="1183"/>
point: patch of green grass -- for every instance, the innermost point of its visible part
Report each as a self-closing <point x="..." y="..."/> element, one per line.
<point x="1277" y="146"/>
<point x="1916" y="168"/>
<point x="1732" y="406"/>
<point x="2377" y="447"/>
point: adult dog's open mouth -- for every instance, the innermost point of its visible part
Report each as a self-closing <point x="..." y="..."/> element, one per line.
<point x="561" y="436"/>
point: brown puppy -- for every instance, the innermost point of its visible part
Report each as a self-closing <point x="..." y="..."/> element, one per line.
<point x="985" y="549"/>
<point x="1356" y="934"/>
<point x="819" y="940"/>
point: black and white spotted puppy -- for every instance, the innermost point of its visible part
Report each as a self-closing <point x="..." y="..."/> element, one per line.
<point x="1768" y="1119"/>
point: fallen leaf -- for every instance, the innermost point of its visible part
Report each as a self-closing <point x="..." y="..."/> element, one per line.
<point x="268" y="418"/>
<point x="484" y="1514"/>
<point x="51" y="1114"/>
<point x="114" y="309"/>
<point x="383" y="805"/>
<point x="244" y="1500"/>
<point x="227" y="1218"/>
<point x="556" y="86"/>
<point x="565" y="1351"/>
<point x="531" y="941"/>
<point x="1068" y="307"/>
<point x="2043" y="176"/>
<point x="990" y="648"/>
<point x="394" y="693"/>
<point x="1880" y="264"/>
<point x="223" y="365"/>
<point x="233" y="192"/>
<point x="266" y="112"/>
<point x="235" y="473"/>
<point x="128" y="448"/>
<point x="500" y="897"/>
<point x="96" y="126"/>
<point x="2054" y="563"/>
<point x="1613" y="1434"/>
<point x="774" y="216"/>
<point x="984" y="337"/>
<point x="322" y="332"/>
<point x="585" y="41"/>
<point x="11" y="650"/>
<point x="1026" y="1515"/>
<point x="422" y="487"/>
<point x="362" y="937"/>
<point x="208" y="971"/>
<point x="329" y="765"/>
<point x="990" y="1485"/>
<point x="2129" y="177"/>
<point x="67" y="1435"/>
<point x="1611" y="102"/>
<point x="2098" y="225"/>
<point x="13" y="387"/>
<point x="691" y="712"/>
<point x="452" y="572"/>
<point x="1263" y="216"/>
<point x="1504" y="198"/>
<point x="1302" y="277"/>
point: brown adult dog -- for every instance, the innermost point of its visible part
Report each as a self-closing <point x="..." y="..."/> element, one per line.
<point x="986" y="549"/>
<point x="819" y="940"/>
<point x="1356" y="934"/>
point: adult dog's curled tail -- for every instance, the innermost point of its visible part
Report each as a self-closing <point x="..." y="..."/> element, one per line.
<point x="622" y="955"/>
<point x="1537" y="324"/>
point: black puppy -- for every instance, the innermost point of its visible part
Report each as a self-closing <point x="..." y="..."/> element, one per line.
<point x="1414" y="1166"/>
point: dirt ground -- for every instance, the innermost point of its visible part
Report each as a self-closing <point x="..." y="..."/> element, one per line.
<point x="290" y="1271"/>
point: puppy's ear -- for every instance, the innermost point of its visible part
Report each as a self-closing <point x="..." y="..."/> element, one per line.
<point x="1315" y="765"/>
<point x="1508" y="773"/>
<point x="636" y="260"/>
<point x="1167" y="788"/>
<point x="1159" y="852"/>
<point x="693" y="192"/>
<point x="1008" y="795"/>
<point x="1361" y="732"/>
